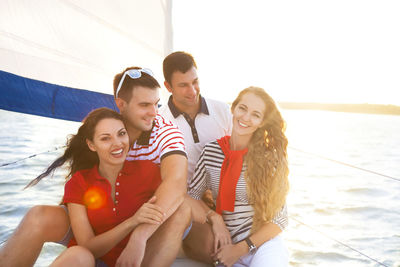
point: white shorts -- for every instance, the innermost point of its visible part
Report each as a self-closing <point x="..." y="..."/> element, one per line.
<point x="272" y="253"/>
<point x="68" y="235"/>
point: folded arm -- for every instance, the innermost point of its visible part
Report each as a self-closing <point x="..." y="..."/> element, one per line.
<point x="170" y="195"/>
<point x="102" y="243"/>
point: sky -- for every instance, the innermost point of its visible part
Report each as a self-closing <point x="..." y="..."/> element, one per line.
<point x="298" y="51"/>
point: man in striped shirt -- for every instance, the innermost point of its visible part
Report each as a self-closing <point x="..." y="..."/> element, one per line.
<point x="152" y="138"/>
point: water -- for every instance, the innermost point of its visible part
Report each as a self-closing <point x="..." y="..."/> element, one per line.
<point x="356" y="208"/>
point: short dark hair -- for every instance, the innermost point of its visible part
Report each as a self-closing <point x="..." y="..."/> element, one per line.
<point x="177" y="61"/>
<point x="129" y="84"/>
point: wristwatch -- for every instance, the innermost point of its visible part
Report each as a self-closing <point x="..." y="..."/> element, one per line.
<point x="252" y="247"/>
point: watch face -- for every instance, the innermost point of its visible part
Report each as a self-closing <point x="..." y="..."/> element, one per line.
<point x="252" y="249"/>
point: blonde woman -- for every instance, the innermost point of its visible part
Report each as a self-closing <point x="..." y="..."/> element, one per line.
<point x="247" y="173"/>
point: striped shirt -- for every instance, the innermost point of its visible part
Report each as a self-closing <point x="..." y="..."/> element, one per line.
<point x="207" y="176"/>
<point x="162" y="140"/>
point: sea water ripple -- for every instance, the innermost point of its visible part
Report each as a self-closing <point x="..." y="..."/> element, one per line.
<point x="358" y="209"/>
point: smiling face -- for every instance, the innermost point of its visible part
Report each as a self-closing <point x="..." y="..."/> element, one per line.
<point x="140" y="111"/>
<point x="248" y="114"/>
<point x="110" y="142"/>
<point x="185" y="89"/>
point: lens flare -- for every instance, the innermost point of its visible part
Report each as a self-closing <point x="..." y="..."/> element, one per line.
<point x="94" y="198"/>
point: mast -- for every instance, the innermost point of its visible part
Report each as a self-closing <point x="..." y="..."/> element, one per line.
<point x="168" y="42"/>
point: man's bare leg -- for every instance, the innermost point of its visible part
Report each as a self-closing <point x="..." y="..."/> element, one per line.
<point x="164" y="244"/>
<point x="198" y="245"/>
<point x="41" y="224"/>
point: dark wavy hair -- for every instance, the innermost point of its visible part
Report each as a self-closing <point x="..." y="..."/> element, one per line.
<point x="77" y="153"/>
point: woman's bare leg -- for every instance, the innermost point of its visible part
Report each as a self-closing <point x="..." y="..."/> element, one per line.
<point x="41" y="224"/>
<point x="75" y="256"/>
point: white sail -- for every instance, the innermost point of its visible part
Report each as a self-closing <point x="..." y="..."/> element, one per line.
<point x="83" y="44"/>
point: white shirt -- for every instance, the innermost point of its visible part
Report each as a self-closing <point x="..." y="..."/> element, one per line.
<point x="213" y="121"/>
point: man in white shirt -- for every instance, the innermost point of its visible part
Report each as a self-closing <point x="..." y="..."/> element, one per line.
<point x="201" y="120"/>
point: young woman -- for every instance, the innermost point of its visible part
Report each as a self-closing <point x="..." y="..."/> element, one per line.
<point x="247" y="173"/>
<point x="106" y="196"/>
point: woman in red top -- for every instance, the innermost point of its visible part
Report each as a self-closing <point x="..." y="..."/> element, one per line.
<point x="106" y="196"/>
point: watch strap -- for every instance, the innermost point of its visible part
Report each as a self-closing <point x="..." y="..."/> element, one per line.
<point x="252" y="247"/>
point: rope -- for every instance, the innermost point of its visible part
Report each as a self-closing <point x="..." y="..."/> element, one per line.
<point x="31" y="156"/>
<point x="337" y="241"/>
<point x="345" y="164"/>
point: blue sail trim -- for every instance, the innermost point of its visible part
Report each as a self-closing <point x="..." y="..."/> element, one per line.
<point x="35" y="97"/>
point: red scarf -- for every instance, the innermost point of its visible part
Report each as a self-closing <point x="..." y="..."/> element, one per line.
<point x="230" y="173"/>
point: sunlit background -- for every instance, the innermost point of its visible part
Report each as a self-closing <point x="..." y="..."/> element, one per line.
<point x="299" y="51"/>
<point x="344" y="51"/>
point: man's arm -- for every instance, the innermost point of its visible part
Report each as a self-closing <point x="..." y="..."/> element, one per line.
<point x="170" y="195"/>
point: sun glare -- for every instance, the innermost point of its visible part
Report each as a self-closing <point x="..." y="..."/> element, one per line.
<point x="94" y="198"/>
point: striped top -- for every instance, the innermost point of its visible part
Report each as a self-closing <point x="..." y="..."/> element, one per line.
<point x="207" y="176"/>
<point x="162" y="140"/>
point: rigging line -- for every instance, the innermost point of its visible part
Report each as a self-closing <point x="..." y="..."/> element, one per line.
<point x="346" y="164"/>
<point x="337" y="241"/>
<point x="31" y="156"/>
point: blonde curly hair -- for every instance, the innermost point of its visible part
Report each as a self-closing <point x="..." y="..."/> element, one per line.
<point x="267" y="166"/>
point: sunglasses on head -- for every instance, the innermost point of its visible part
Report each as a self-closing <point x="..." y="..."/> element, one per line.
<point x="134" y="74"/>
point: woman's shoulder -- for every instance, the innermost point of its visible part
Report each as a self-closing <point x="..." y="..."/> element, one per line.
<point x="213" y="150"/>
<point x="83" y="176"/>
<point x="212" y="146"/>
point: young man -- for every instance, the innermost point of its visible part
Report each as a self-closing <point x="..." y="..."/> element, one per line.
<point x="156" y="139"/>
<point x="152" y="138"/>
<point x="201" y="121"/>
